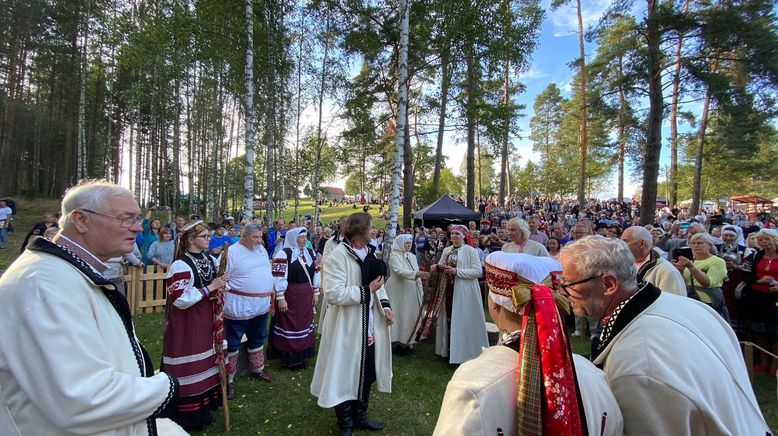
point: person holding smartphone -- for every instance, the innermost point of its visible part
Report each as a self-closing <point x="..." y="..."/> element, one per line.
<point x="704" y="273"/>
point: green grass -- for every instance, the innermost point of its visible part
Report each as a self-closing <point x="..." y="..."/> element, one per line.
<point x="28" y="213"/>
<point x="329" y="214"/>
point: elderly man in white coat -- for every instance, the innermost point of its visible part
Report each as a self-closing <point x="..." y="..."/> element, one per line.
<point x="483" y="397"/>
<point x="70" y="362"/>
<point x="405" y="292"/>
<point x="673" y="364"/>
<point x="651" y="267"/>
<point x="355" y="348"/>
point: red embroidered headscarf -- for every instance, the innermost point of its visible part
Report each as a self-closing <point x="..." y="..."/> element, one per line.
<point x="463" y="231"/>
<point x="547" y="403"/>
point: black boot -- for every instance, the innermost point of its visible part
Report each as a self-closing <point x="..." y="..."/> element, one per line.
<point x="361" y="420"/>
<point x="345" y="420"/>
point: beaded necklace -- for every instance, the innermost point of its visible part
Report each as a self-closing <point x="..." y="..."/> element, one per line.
<point x="204" y="267"/>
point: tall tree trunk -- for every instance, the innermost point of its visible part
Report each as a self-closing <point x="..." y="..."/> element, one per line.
<point x="621" y="138"/>
<point x="445" y="82"/>
<point x="672" y="197"/>
<point x="696" y="189"/>
<point x="654" y="128"/>
<point x="582" y="139"/>
<point x="248" y="182"/>
<point x="270" y="130"/>
<point x="297" y="119"/>
<point x="407" y="175"/>
<point x="319" y="137"/>
<point x="82" y="154"/>
<point x="470" y="116"/>
<point x="399" y="138"/>
<point x="506" y="102"/>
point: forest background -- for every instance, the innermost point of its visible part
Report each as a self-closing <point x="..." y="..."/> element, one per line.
<point x="220" y="102"/>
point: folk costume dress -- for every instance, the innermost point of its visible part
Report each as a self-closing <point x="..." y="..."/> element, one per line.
<point x="355" y="348"/>
<point x="188" y="349"/>
<point x="70" y="362"/>
<point x="296" y="281"/>
<point x="461" y="330"/>
<point x="404" y="290"/>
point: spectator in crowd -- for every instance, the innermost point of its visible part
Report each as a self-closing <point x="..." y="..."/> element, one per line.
<point x="554" y="247"/>
<point x="273" y="234"/>
<point x="115" y="271"/>
<point x="162" y="250"/>
<point x="50" y="220"/>
<point x="650" y="266"/>
<point x="218" y="240"/>
<point x="6" y="215"/>
<point x="704" y="274"/>
<point x="761" y="298"/>
<point x="558" y="232"/>
<point x="461" y="330"/>
<point x="518" y="233"/>
<point x="534" y="233"/>
<point x="653" y="345"/>
<point x="151" y="229"/>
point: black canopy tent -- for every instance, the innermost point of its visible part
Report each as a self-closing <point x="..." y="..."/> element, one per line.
<point x="445" y="211"/>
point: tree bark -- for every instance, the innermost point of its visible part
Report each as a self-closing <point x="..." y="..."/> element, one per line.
<point x="696" y="197"/>
<point x="582" y="139"/>
<point x="621" y="139"/>
<point x="407" y="175"/>
<point x="399" y="138"/>
<point x="672" y="197"/>
<point x="248" y="182"/>
<point x="654" y="128"/>
<point x="470" y="116"/>
<point x="445" y="82"/>
<point x="319" y="138"/>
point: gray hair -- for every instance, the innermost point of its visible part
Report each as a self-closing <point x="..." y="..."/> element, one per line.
<point x="89" y="194"/>
<point x="521" y="224"/>
<point x="639" y="233"/>
<point x="596" y="255"/>
<point x="704" y="236"/>
<point x="250" y="228"/>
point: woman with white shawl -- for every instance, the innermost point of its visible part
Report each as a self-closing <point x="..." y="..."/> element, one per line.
<point x="405" y="292"/>
<point x="296" y="281"/>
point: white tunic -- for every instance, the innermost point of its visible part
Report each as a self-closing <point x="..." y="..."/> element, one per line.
<point x="481" y="397"/>
<point x="666" y="277"/>
<point x="405" y="294"/>
<point x="337" y="372"/>
<point x="67" y="365"/>
<point x="249" y="272"/>
<point x="530" y="247"/>
<point x="677" y="369"/>
<point x="468" y="324"/>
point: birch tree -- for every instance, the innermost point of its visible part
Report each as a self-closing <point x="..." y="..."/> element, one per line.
<point x="248" y="183"/>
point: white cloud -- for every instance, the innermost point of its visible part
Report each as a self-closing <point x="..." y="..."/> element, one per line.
<point x="534" y="73"/>
<point x="565" y="18"/>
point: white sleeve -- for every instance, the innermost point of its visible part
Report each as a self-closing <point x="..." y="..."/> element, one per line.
<point x="181" y="289"/>
<point x="85" y="395"/>
<point x="280" y="274"/>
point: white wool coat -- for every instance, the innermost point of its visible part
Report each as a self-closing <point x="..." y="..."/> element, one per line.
<point x="405" y="295"/>
<point x="666" y="277"/>
<point x="468" y="325"/>
<point x="338" y="371"/>
<point x="481" y="397"/>
<point x="67" y="365"/>
<point x="677" y="369"/>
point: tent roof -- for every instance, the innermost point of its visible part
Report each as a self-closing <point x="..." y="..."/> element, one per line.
<point x="445" y="208"/>
<point x="750" y="199"/>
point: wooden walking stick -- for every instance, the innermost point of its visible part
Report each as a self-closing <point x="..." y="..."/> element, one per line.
<point x="218" y="337"/>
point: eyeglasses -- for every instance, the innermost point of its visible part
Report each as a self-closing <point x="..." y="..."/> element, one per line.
<point x="126" y="222"/>
<point x="206" y="236"/>
<point x="566" y="286"/>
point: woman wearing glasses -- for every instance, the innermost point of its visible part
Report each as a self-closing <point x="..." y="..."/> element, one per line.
<point x="188" y="342"/>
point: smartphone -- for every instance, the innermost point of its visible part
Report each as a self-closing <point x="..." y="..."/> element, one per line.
<point x="685" y="252"/>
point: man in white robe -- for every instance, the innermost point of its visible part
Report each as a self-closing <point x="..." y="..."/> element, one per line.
<point x="70" y="362"/>
<point x="673" y="364"/>
<point x="651" y="267"/>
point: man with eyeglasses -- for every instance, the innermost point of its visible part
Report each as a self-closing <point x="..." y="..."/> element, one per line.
<point x="70" y="362"/>
<point x="673" y="364"/>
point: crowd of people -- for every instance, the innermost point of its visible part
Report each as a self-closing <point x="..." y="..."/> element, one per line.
<point x="538" y="266"/>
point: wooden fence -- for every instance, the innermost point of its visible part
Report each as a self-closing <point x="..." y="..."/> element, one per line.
<point x="146" y="289"/>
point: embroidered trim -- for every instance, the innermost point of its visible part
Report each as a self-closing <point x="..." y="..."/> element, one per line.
<point x="385" y="304"/>
<point x="172" y="392"/>
<point x="500" y="281"/>
<point x="278" y="268"/>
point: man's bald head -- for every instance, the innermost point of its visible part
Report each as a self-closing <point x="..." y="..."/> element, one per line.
<point x="639" y="241"/>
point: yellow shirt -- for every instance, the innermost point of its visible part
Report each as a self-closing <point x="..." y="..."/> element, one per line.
<point x="713" y="267"/>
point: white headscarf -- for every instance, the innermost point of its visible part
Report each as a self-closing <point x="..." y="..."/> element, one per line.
<point x="527" y="266"/>
<point x="291" y="242"/>
<point x="398" y="246"/>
